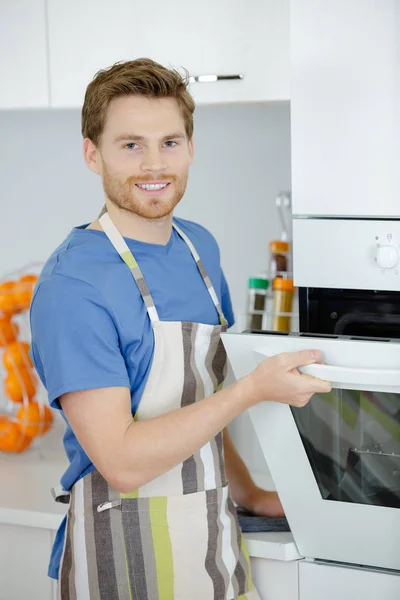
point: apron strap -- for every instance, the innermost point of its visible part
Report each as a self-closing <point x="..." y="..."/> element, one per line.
<point x="204" y="275"/>
<point x="121" y="247"/>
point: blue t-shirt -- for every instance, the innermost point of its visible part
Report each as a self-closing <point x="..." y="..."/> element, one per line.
<point x="90" y="327"/>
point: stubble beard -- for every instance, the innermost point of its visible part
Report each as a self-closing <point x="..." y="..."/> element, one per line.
<point x="125" y="195"/>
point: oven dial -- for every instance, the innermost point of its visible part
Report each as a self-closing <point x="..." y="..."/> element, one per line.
<point x="387" y="257"/>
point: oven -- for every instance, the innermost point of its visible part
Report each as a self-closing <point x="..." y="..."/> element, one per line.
<point x="335" y="462"/>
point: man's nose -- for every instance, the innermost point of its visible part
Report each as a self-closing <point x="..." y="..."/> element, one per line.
<point x="153" y="160"/>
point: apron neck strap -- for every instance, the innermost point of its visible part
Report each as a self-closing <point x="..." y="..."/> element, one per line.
<point x="204" y="275"/>
<point x="121" y="247"/>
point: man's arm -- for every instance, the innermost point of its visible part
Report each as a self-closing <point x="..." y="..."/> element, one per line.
<point x="129" y="454"/>
<point x="243" y="489"/>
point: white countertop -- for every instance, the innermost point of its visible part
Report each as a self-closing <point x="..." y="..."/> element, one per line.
<point x="25" y="489"/>
<point x="25" y="499"/>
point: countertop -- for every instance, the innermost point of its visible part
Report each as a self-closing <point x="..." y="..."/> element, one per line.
<point x="25" y="500"/>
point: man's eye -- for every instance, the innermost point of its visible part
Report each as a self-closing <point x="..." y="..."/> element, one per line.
<point x="130" y="146"/>
<point x="171" y="144"/>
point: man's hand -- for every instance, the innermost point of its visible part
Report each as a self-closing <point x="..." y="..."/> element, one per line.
<point x="264" y="504"/>
<point x="278" y="379"/>
<point x="244" y="491"/>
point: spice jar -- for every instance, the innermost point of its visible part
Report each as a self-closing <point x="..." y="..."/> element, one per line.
<point x="279" y="261"/>
<point x="283" y="300"/>
<point x="257" y="291"/>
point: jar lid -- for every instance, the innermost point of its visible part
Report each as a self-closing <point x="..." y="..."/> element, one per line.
<point x="278" y="246"/>
<point x="258" y="283"/>
<point x="283" y="284"/>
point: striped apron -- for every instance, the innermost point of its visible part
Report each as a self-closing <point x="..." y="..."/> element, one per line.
<point x="176" y="537"/>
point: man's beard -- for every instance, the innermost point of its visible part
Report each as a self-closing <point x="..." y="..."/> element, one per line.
<point x="126" y="195"/>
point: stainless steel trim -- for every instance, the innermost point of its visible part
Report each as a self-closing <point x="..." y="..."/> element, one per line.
<point x="214" y="78"/>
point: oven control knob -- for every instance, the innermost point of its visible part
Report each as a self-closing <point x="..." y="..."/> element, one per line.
<point x="387" y="257"/>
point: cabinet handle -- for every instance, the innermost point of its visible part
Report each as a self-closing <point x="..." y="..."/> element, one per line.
<point x="213" y="78"/>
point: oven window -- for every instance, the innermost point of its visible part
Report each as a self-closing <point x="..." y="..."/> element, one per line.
<point x="352" y="440"/>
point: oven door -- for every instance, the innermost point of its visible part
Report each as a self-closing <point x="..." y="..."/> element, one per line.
<point x="336" y="462"/>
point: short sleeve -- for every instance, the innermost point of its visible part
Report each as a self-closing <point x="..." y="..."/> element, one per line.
<point x="226" y="302"/>
<point x="75" y="342"/>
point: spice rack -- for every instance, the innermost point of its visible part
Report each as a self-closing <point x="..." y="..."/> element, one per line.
<point x="266" y="316"/>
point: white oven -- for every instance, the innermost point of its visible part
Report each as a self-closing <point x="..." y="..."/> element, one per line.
<point x="336" y="462"/>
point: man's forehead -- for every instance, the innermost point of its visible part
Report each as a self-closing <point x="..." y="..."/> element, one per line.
<point x="144" y="116"/>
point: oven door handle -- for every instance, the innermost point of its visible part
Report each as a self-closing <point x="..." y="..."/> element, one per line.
<point x="358" y="376"/>
<point x="353" y="375"/>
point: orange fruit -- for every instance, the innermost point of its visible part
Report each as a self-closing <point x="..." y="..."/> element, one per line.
<point x="17" y="354"/>
<point x="23" y="291"/>
<point x="20" y="384"/>
<point x="11" y="437"/>
<point x="8" y="332"/>
<point x="7" y="298"/>
<point x="34" y="419"/>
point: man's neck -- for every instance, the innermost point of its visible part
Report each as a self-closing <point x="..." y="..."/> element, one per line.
<point x="130" y="225"/>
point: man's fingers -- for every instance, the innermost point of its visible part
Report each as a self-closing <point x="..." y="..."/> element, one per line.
<point x="314" y="385"/>
<point x="302" y="358"/>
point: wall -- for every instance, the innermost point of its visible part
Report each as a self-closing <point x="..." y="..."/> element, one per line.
<point x="242" y="161"/>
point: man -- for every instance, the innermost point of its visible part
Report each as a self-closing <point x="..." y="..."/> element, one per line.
<point x="126" y="322"/>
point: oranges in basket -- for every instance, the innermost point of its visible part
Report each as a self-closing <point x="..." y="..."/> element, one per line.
<point x="16" y="296"/>
<point x="34" y="419"/>
<point x="26" y="417"/>
<point x="11" y="438"/>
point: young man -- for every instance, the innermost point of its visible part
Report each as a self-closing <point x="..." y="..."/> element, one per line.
<point x="126" y="323"/>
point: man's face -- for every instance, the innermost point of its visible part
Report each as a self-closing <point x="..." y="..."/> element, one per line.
<point x="144" y="155"/>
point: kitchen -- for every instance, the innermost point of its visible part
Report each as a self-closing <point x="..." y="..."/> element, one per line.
<point x="334" y="171"/>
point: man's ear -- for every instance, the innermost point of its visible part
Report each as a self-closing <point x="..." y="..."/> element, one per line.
<point x="91" y="155"/>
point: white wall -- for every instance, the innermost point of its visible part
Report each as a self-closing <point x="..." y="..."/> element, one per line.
<point x="242" y="161"/>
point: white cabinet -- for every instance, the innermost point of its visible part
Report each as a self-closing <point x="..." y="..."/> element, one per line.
<point x="275" y="579"/>
<point x="23" y="64"/>
<point x="345" y="107"/>
<point x="322" y="582"/>
<point x="228" y="37"/>
<point x="24" y="557"/>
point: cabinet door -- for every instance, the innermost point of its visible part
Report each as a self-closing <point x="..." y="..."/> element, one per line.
<point x="24" y="558"/>
<point x="321" y="582"/>
<point x="23" y="65"/>
<point x="275" y="579"/>
<point x="228" y="37"/>
<point x="224" y="38"/>
<point x="345" y="107"/>
<point x="85" y="37"/>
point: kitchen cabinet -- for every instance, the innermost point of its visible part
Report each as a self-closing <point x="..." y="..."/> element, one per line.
<point x="345" y="107"/>
<point x="328" y="582"/>
<point x="207" y="38"/>
<point x="276" y="579"/>
<point x="23" y="65"/>
<point x="24" y="556"/>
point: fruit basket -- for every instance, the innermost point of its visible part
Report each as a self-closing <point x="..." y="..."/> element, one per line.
<point x="24" y="413"/>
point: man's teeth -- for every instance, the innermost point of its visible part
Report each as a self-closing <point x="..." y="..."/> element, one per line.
<point x="152" y="186"/>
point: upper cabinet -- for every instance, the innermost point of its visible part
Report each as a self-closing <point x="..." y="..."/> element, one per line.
<point x="23" y="51"/>
<point x="345" y="107"/>
<point x="246" y="41"/>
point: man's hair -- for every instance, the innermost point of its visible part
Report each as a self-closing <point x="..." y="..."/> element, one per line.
<point x="143" y="77"/>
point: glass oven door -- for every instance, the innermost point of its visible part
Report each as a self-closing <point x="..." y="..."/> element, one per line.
<point x="335" y="462"/>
